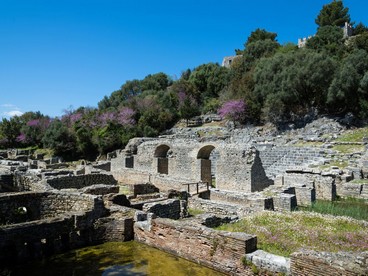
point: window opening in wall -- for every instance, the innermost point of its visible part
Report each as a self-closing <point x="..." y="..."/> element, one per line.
<point x="129" y="162"/>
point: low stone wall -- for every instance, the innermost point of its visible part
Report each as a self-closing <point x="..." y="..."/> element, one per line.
<point x="116" y="227"/>
<point x="310" y="263"/>
<point x="170" y="208"/>
<point x="142" y="189"/>
<point x="305" y="196"/>
<point x="100" y="189"/>
<point x="247" y="200"/>
<point x="80" y="181"/>
<point x="7" y="183"/>
<point x="220" y="208"/>
<point x="352" y="190"/>
<point x="30" y="206"/>
<point x="324" y="186"/>
<point x="283" y="201"/>
<point x="106" y="166"/>
<point x="223" y="251"/>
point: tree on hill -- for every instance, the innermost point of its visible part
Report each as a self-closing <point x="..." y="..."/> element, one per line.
<point x="233" y="110"/>
<point x="333" y="14"/>
<point x="360" y="29"/>
<point x="329" y="39"/>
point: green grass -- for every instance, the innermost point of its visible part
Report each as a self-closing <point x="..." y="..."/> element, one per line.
<point x="348" y="148"/>
<point x="285" y="233"/>
<point x="354" y="208"/>
<point x="359" y="181"/>
<point x="194" y="212"/>
<point x="356" y="135"/>
<point x="341" y="165"/>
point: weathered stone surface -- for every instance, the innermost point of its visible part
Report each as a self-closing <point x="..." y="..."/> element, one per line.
<point x="170" y="208"/>
<point x="80" y="181"/>
<point x="310" y="263"/>
<point x="269" y="262"/>
<point x="100" y="189"/>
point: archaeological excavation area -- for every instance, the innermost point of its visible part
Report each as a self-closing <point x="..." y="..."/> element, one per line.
<point x="151" y="190"/>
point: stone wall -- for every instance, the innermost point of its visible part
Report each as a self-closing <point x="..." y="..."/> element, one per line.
<point x="118" y="226"/>
<point x="7" y="182"/>
<point x="142" y="189"/>
<point x="220" y="250"/>
<point x="277" y="159"/>
<point x="234" y="167"/>
<point x="310" y="263"/>
<point x="240" y="169"/>
<point x="353" y="190"/>
<point x="252" y="201"/>
<point x="30" y="206"/>
<point x="80" y="181"/>
<point x="284" y="202"/>
<point x="220" y="208"/>
<point x="170" y="208"/>
<point x="324" y="186"/>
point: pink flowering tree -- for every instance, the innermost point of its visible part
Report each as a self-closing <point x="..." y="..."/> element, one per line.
<point x="233" y="110"/>
<point x="125" y="116"/>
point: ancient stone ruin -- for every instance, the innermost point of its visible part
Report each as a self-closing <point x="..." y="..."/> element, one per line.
<point x="47" y="207"/>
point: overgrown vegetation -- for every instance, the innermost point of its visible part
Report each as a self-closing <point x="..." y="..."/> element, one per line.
<point x="350" y="207"/>
<point x="284" y="233"/>
<point x="195" y="212"/>
<point x="268" y="82"/>
<point x="355" y="135"/>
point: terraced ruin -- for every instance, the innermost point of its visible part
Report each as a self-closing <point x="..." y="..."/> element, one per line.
<point x="172" y="193"/>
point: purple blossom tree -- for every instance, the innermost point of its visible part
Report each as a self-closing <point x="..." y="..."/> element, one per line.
<point x="233" y="110"/>
<point x="125" y="116"/>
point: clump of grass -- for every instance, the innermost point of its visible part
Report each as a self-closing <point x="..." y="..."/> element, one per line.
<point x="284" y="233"/>
<point x="356" y="135"/>
<point x="354" y="208"/>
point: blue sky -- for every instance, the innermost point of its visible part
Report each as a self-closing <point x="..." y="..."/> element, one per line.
<point x="62" y="54"/>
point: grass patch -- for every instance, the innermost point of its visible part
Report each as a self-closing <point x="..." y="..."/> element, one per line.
<point x="348" y="148"/>
<point x="354" y="208"/>
<point x="311" y="144"/>
<point x="284" y="233"/>
<point x="48" y="153"/>
<point x="355" y="135"/>
<point x="194" y="212"/>
<point x="340" y="164"/>
<point x="359" y="181"/>
<point x="124" y="189"/>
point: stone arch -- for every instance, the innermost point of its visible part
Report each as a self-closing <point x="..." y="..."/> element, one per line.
<point x="207" y="164"/>
<point x="162" y="160"/>
<point x="205" y="152"/>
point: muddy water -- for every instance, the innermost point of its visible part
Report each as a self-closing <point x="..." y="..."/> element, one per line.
<point x="114" y="259"/>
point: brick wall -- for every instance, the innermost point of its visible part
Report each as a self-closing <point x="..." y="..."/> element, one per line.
<point x="220" y="250"/>
<point x="311" y="263"/>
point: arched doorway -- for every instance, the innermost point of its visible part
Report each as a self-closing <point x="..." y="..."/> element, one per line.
<point x="208" y="157"/>
<point x="162" y="160"/>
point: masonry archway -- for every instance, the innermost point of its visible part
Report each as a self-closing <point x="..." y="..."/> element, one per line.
<point x="162" y="160"/>
<point x="208" y="157"/>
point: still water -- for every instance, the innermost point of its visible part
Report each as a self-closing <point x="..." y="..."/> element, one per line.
<point x="113" y="259"/>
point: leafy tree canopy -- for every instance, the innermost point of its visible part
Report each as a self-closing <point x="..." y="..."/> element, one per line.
<point x="333" y="14"/>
